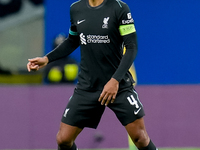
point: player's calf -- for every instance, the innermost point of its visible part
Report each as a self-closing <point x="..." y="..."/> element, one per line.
<point x="139" y="136"/>
<point x="65" y="147"/>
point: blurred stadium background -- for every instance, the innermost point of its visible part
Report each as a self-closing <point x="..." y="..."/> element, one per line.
<point x="167" y="67"/>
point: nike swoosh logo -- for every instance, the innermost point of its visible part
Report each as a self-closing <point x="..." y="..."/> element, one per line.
<point x="136" y="112"/>
<point x="66" y="111"/>
<point x="79" y="22"/>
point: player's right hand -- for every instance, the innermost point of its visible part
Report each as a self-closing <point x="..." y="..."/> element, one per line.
<point x="109" y="92"/>
<point x="35" y="64"/>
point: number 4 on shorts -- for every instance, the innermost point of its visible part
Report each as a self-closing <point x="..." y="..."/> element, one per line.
<point x="132" y="101"/>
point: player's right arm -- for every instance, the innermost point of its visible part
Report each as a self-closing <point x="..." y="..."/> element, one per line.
<point x="35" y="64"/>
<point x="62" y="50"/>
<point x="65" y="48"/>
<point x="70" y="43"/>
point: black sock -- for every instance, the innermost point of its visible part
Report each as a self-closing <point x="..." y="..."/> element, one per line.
<point x="72" y="148"/>
<point x="151" y="146"/>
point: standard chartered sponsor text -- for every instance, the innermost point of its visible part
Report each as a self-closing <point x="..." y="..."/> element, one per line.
<point x="98" y="39"/>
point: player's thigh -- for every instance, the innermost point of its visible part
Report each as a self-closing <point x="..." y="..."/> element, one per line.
<point x="127" y="106"/>
<point x="83" y="109"/>
<point x="67" y="133"/>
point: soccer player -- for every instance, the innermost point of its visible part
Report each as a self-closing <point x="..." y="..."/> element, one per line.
<point x="101" y="28"/>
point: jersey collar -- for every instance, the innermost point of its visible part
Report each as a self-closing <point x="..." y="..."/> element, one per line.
<point x="97" y="7"/>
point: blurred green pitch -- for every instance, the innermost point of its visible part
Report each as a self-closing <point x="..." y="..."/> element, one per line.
<point x="117" y="149"/>
<point x="158" y="148"/>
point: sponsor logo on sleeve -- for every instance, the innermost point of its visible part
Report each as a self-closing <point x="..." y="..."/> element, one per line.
<point x="129" y="16"/>
<point x="129" y="19"/>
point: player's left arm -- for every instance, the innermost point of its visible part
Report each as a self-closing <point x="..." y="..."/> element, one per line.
<point x="128" y="33"/>
<point x="130" y="42"/>
<point x="111" y="88"/>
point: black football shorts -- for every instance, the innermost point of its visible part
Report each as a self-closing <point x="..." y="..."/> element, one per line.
<point x="84" y="110"/>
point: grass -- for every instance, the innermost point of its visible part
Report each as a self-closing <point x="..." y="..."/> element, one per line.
<point x="119" y="149"/>
<point x="179" y="149"/>
<point x="159" y="149"/>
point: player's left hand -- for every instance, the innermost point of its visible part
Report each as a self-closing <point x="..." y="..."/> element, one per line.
<point x="109" y="92"/>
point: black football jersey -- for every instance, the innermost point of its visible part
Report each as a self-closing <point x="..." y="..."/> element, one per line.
<point x="101" y="30"/>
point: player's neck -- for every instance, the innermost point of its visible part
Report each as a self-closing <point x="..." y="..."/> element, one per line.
<point x="95" y="3"/>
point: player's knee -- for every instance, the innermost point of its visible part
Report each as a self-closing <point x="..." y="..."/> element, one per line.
<point x="141" y="138"/>
<point x="63" y="141"/>
<point x="138" y="133"/>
